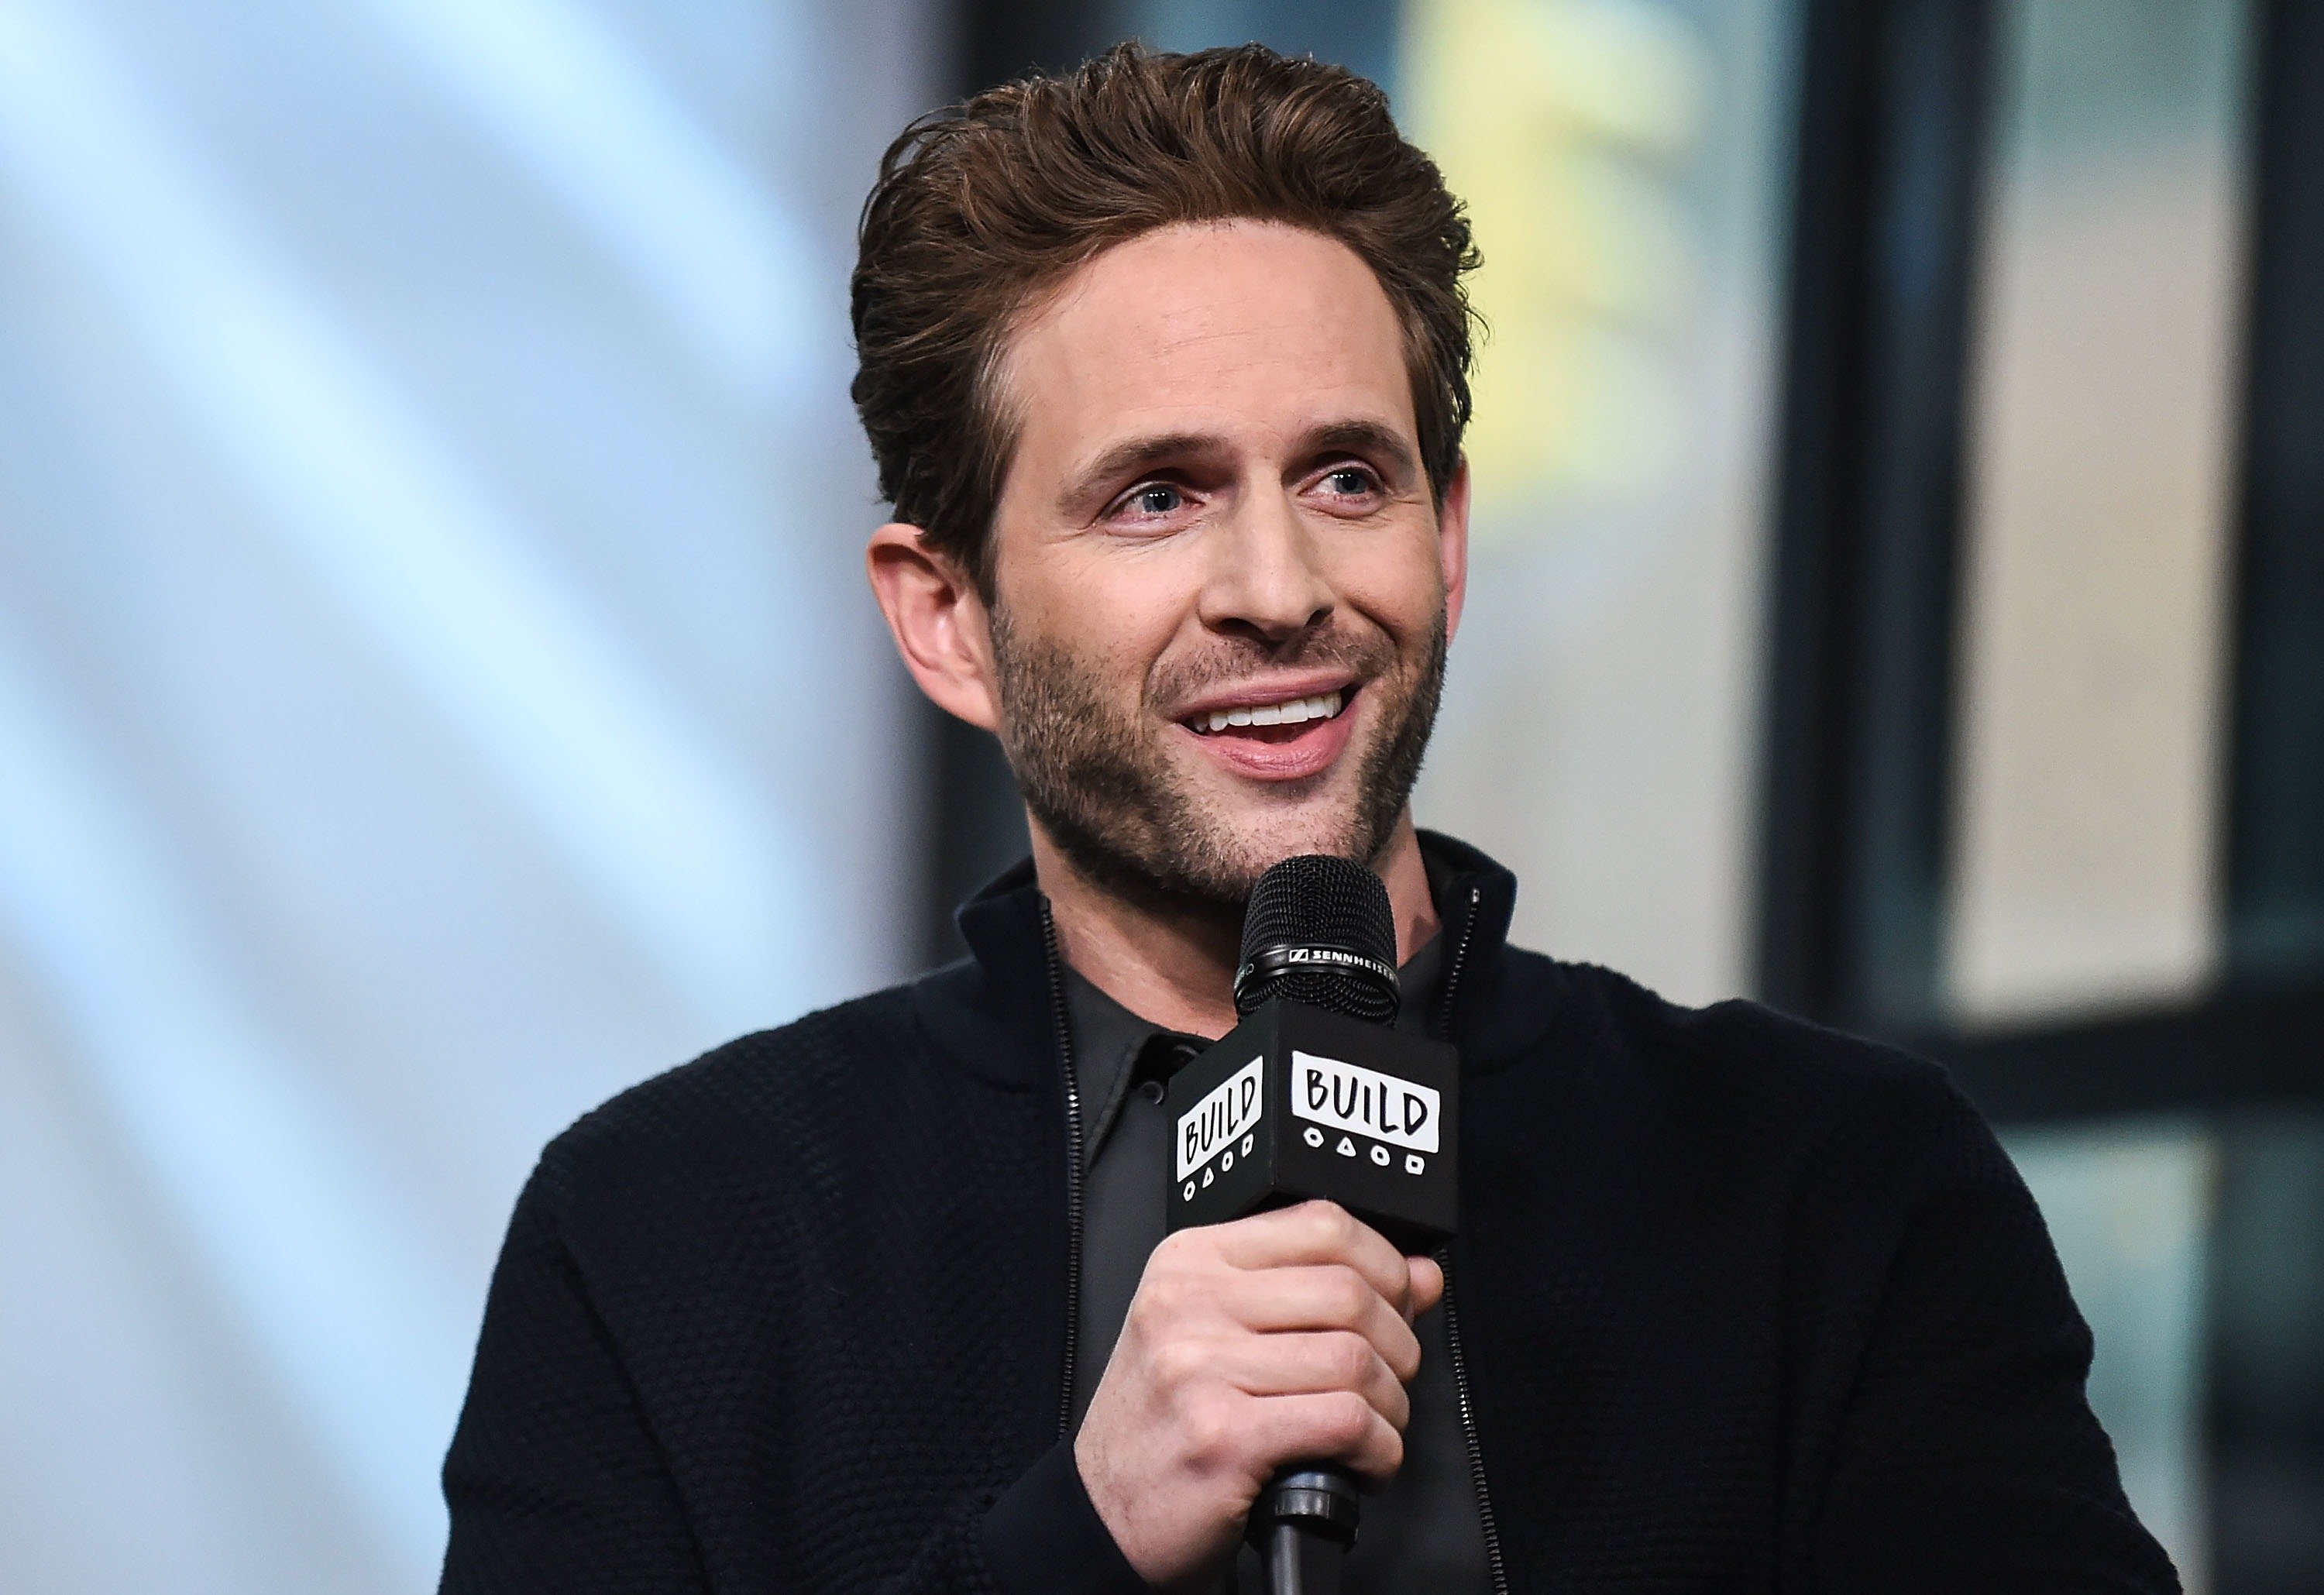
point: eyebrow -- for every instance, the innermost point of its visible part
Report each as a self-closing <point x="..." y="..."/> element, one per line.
<point x="1367" y="437"/>
<point x="1133" y="455"/>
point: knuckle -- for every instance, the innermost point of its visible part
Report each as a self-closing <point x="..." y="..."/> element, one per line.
<point x="1209" y="1429"/>
<point x="1348" y="1358"/>
<point x="1175" y="1247"/>
<point x="1170" y="1292"/>
<point x="1179" y="1260"/>
<point x="1168" y="1262"/>
<point x="1347" y="1419"/>
<point x="1178" y="1361"/>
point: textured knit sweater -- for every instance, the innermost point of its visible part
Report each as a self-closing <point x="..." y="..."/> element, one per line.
<point x="1739" y="1304"/>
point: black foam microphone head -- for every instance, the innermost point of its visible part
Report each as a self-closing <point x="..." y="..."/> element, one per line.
<point x="1319" y="930"/>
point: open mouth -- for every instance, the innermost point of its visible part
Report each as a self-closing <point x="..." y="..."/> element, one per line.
<point x="1272" y="723"/>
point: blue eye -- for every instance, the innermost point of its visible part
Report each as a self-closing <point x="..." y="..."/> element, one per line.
<point x="1349" y="481"/>
<point x="1159" y="499"/>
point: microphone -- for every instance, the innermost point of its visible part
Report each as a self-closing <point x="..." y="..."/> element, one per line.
<point x="1313" y="1095"/>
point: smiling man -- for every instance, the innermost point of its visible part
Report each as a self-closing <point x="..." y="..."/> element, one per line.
<point x="1211" y="618"/>
<point x="1165" y="364"/>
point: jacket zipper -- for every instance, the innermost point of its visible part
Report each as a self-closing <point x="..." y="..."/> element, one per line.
<point x="1459" y="961"/>
<point x="1057" y="1017"/>
<point x="1469" y="1431"/>
<point x="1452" y="1316"/>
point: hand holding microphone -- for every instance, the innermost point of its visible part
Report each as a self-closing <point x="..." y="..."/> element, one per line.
<point x="1266" y="1352"/>
<point x="1276" y="1339"/>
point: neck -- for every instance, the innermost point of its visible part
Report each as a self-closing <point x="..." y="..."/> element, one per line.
<point x="1174" y="967"/>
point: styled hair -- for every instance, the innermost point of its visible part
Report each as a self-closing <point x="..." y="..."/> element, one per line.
<point x="983" y="207"/>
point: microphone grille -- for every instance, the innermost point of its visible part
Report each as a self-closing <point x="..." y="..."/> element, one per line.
<point x="1319" y="930"/>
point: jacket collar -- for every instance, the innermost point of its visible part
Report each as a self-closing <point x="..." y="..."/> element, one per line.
<point x="995" y="1013"/>
<point x="1497" y="1013"/>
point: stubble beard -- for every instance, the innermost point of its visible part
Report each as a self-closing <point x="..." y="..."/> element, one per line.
<point x="1103" y="786"/>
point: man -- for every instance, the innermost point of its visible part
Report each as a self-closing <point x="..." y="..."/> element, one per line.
<point x="1164" y="367"/>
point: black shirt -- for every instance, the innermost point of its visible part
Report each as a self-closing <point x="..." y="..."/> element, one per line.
<point x="1422" y="1530"/>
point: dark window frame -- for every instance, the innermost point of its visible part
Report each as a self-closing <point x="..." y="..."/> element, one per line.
<point x="1861" y="708"/>
<point x="1859" y="713"/>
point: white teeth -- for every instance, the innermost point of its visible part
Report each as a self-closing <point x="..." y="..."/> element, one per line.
<point x="1298" y="711"/>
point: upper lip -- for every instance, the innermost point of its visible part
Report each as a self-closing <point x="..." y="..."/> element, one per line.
<point x="1280" y="689"/>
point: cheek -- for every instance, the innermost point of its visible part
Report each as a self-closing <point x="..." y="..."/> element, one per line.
<point x="1401" y="587"/>
<point x="1115" y="615"/>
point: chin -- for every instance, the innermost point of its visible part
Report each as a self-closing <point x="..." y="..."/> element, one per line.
<point x="1263" y="840"/>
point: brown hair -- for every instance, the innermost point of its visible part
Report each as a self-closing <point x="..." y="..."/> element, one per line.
<point x="982" y="207"/>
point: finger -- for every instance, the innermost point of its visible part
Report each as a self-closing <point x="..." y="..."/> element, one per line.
<point x="1324" y="1296"/>
<point x="1299" y="1364"/>
<point x="1334" y="1427"/>
<point x="1316" y="1233"/>
<point x="1427" y="1283"/>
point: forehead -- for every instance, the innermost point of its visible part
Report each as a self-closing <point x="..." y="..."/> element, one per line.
<point x="1253" y="331"/>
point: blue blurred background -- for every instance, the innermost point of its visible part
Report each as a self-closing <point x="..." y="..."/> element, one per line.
<point x="437" y="687"/>
<point x="436" y="691"/>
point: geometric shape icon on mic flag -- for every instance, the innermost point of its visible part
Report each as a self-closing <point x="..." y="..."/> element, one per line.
<point x="1327" y="1107"/>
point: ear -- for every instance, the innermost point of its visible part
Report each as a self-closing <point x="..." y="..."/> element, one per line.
<point x="1453" y="546"/>
<point x="938" y="621"/>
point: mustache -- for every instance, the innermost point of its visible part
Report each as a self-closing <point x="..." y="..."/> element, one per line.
<point x="1363" y="655"/>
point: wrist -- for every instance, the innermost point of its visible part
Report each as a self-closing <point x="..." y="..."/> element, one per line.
<point x="1044" y="1536"/>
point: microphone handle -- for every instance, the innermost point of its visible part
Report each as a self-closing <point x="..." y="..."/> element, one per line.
<point x="1302" y="1524"/>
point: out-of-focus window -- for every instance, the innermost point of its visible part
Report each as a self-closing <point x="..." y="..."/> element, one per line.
<point x="2055" y="809"/>
<point x="2196" y="1250"/>
<point x="436" y="691"/>
<point x="1625" y="163"/>
<point x="2100" y="485"/>
<point x="2094" y="641"/>
<point x="2130" y="1209"/>
<point x="1358" y="34"/>
<point x="2275" y="867"/>
<point x="2264" y="1370"/>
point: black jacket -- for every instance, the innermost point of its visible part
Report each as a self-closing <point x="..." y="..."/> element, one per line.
<point x="1741" y="1305"/>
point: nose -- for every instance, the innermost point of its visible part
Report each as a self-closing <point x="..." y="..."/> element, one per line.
<point x="1266" y="578"/>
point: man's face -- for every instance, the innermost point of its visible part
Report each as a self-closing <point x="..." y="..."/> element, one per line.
<point x="1221" y="593"/>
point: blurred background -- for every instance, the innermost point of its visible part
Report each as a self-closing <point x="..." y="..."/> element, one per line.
<point x="437" y="686"/>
